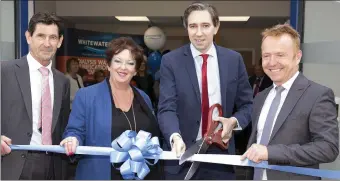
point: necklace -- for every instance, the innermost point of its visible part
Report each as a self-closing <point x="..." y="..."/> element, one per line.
<point x="134" y="118"/>
<point x="133" y="112"/>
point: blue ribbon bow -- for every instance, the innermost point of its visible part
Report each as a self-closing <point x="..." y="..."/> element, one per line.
<point x="133" y="149"/>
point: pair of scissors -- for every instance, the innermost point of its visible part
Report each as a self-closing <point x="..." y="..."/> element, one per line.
<point x="213" y="136"/>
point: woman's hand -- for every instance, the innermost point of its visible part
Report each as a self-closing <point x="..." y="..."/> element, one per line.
<point x="70" y="144"/>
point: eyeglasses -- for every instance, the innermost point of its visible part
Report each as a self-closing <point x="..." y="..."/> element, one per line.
<point x="129" y="63"/>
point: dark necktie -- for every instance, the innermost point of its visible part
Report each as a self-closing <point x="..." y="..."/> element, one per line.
<point x="257" y="86"/>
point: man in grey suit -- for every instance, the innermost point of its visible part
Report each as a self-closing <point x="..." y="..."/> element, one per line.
<point x="295" y="120"/>
<point x="35" y="104"/>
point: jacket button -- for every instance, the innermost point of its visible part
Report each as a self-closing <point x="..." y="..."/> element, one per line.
<point x="193" y="141"/>
<point x="23" y="156"/>
<point x="198" y="123"/>
<point x="29" y="134"/>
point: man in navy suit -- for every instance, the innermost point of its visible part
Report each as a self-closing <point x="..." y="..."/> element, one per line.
<point x="193" y="78"/>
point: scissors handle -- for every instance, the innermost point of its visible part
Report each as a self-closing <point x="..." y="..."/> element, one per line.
<point x="214" y="128"/>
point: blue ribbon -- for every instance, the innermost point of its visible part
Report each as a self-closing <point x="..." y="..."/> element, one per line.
<point x="132" y="149"/>
<point x="331" y="174"/>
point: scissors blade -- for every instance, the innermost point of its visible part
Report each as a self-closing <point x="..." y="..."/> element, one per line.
<point x="192" y="170"/>
<point x="194" y="165"/>
<point x="191" y="151"/>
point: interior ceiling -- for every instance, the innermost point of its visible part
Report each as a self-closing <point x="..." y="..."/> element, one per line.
<point x="253" y="22"/>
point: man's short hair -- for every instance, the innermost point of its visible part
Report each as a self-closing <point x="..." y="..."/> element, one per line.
<point x="45" y="18"/>
<point x="200" y="6"/>
<point x="283" y="29"/>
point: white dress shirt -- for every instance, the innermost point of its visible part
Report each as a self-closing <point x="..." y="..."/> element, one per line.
<point x="265" y="109"/>
<point x="36" y="93"/>
<point x="213" y="77"/>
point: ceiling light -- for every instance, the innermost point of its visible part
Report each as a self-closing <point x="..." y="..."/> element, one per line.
<point x="234" y="18"/>
<point x="132" y="18"/>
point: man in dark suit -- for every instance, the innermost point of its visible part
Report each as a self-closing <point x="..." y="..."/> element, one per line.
<point x="295" y="120"/>
<point x="35" y="104"/>
<point x="259" y="81"/>
<point x="193" y="78"/>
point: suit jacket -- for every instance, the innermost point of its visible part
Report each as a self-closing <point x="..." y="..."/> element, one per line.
<point x="180" y="98"/>
<point x="242" y="137"/>
<point x="91" y="122"/>
<point x="16" y="117"/>
<point x="266" y="82"/>
<point x="306" y="130"/>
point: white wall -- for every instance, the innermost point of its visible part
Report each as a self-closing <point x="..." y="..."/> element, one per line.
<point x="321" y="61"/>
<point x="7" y="45"/>
<point x="322" y="43"/>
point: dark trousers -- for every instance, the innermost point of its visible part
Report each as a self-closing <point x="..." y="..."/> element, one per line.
<point x="241" y="140"/>
<point x="205" y="171"/>
<point x="38" y="166"/>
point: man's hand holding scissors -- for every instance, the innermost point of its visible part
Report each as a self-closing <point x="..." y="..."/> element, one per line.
<point x="229" y="125"/>
<point x="178" y="145"/>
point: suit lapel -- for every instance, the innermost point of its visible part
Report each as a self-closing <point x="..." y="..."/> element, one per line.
<point x="58" y="89"/>
<point x="257" y="108"/>
<point x="23" y="77"/>
<point x="294" y="94"/>
<point x="223" y="71"/>
<point x="259" y="105"/>
<point x="190" y="66"/>
<point x="144" y="106"/>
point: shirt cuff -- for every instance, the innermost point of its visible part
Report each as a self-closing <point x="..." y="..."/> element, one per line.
<point x="238" y="127"/>
<point x="173" y="134"/>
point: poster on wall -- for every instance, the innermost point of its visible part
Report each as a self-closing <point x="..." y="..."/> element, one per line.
<point x="89" y="48"/>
